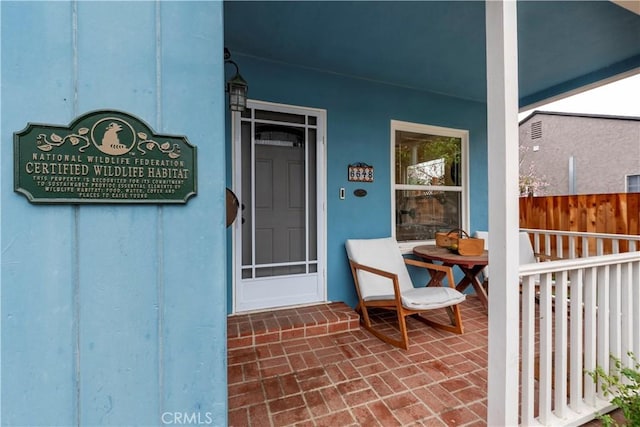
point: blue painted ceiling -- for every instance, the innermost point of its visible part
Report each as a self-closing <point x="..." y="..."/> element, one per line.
<point x="438" y="46"/>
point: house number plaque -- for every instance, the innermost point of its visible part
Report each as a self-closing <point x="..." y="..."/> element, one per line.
<point x="103" y="156"/>
<point x="360" y="172"/>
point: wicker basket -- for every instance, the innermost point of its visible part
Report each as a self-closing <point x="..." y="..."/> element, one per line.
<point x="458" y="240"/>
<point x="449" y="239"/>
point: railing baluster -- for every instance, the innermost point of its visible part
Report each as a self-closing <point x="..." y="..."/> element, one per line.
<point x="585" y="246"/>
<point x="590" y="332"/>
<point x="573" y="251"/>
<point x="547" y="245"/>
<point x="635" y="328"/>
<point x="536" y="242"/>
<point x="576" y="348"/>
<point x="626" y="311"/>
<point x="602" y="333"/>
<point x="561" y="342"/>
<point x="615" y="311"/>
<point x="528" y="350"/>
<point x="546" y="349"/>
<point x="559" y="246"/>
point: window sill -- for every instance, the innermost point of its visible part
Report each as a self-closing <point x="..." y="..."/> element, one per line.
<point x="406" y="248"/>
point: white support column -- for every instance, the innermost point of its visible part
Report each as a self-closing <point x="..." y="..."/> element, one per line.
<point x="502" y="133"/>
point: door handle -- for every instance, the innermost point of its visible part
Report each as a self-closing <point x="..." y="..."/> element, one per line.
<point x="232" y="207"/>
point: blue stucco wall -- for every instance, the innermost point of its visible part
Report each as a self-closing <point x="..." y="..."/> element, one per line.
<point x="114" y="314"/>
<point x="359" y="113"/>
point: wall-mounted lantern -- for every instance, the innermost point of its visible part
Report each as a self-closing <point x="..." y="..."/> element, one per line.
<point x="236" y="87"/>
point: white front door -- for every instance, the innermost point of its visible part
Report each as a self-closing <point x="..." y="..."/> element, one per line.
<point x="279" y="232"/>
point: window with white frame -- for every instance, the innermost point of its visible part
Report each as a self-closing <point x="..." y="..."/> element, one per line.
<point x="429" y="179"/>
<point x="633" y="183"/>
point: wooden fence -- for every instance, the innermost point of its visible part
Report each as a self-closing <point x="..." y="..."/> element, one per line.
<point x="617" y="213"/>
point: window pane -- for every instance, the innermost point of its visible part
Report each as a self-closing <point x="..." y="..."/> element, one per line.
<point x="420" y="214"/>
<point x="280" y="197"/>
<point x="280" y="271"/>
<point x="280" y="117"/>
<point x="423" y="159"/>
<point x="246" y="206"/>
<point x="313" y="196"/>
<point x="633" y="183"/>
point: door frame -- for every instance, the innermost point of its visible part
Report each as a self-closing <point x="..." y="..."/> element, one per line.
<point x="321" y="167"/>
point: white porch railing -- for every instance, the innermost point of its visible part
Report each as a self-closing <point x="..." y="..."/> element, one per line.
<point x="573" y="244"/>
<point x="575" y="314"/>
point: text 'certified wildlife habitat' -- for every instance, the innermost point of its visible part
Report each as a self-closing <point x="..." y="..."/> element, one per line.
<point x="103" y="157"/>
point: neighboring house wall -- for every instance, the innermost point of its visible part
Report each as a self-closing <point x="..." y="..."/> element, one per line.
<point x="359" y="115"/>
<point x="604" y="149"/>
<point x="114" y="314"/>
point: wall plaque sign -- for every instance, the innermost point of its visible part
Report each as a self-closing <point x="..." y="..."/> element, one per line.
<point x="103" y="156"/>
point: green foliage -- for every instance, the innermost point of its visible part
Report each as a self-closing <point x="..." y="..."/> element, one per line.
<point x="622" y="383"/>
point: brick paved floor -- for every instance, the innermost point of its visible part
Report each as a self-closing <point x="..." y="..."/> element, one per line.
<point x="314" y="366"/>
<point x="352" y="378"/>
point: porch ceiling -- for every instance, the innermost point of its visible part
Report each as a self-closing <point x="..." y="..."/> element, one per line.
<point x="438" y="46"/>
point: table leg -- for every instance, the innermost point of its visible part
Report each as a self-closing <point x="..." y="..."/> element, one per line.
<point x="471" y="278"/>
<point x="436" y="277"/>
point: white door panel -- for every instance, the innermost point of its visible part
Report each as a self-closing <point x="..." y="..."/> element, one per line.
<point x="276" y="291"/>
<point x="279" y="240"/>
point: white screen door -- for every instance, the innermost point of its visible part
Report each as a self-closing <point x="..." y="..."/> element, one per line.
<point x="279" y="232"/>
